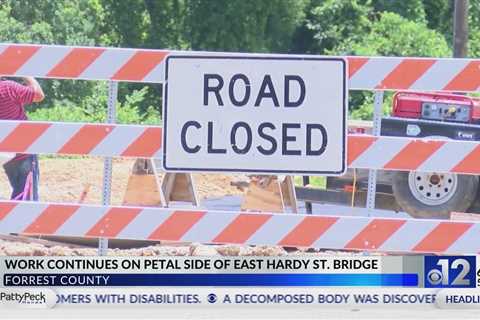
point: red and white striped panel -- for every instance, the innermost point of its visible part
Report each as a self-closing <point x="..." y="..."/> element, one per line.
<point x="417" y="74"/>
<point x="80" y="139"/>
<point x="407" y="154"/>
<point x="90" y="63"/>
<point x="330" y="232"/>
<point x="112" y="140"/>
<point x="95" y="63"/>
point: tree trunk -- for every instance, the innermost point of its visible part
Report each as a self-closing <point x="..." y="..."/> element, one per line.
<point x="460" y="29"/>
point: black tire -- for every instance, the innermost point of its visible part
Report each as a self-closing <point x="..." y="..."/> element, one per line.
<point x="462" y="199"/>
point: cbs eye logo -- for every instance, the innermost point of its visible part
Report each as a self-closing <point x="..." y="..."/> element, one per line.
<point x="435" y="276"/>
<point x="212" y="298"/>
<point x="450" y="272"/>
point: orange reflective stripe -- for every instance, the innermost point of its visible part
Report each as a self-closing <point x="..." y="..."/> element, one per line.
<point x="356" y="145"/>
<point x="139" y="65"/>
<point x="15" y="56"/>
<point x="52" y="218"/>
<point x="354" y="64"/>
<point x="6" y="208"/>
<point x="147" y="144"/>
<point x="113" y="222"/>
<point x="467" y="80"/>
<point x="470" y="163"/>
<point x="23" y="136"/>
<point x="375" y="234"/>
<point x="307" y="231"/>
<point x="414" y="154"/>
<point x="75" y="62"/>
<point x="442" y="237"/>
<point x="175" y="226"/>
<point x="86" y="139"/>
<point x="241" y="228"/>
<point x="406" y="73"/>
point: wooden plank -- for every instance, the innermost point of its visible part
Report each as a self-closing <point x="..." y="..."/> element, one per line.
<point x="288" y="192"/>
<point x="463" y="216"/>
<point x="179" y="187"/>
<point x="382" y="201"/>
<point x="263" y="198"/>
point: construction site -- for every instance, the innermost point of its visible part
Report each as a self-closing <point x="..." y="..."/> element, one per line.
<point x="332" y="184"/>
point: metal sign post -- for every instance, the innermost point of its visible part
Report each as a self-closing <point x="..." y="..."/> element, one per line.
<point x="107" y="165"/>
<point x="372" y="174"/>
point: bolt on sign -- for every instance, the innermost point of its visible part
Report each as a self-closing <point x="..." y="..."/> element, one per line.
<point x="264" y="114"/>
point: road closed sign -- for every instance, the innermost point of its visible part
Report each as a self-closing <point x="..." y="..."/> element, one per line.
<point x="272" y="114"/>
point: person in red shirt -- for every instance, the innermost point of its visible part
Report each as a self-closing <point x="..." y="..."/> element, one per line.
<point x="13" y="98"/>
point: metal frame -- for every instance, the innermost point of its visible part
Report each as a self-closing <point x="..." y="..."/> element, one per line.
<point x="372" y="174"/>
<point x="107" y="164"/>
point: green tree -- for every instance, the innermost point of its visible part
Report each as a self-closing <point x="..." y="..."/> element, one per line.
<point x="243" y="25"/>
<point x="393" y="35"/>
<point x="474" y="29"/>
<point x="333" y="22"/>
<point x="412" y="10"/>
<point x="79" y="22"/>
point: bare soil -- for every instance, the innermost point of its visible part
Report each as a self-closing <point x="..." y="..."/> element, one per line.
<point x="63" y="179"/>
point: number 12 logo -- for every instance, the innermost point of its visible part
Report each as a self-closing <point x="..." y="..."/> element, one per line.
<point x="450" y="272"/>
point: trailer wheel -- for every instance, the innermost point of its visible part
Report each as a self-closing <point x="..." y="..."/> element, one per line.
<point x="434" y="195"/>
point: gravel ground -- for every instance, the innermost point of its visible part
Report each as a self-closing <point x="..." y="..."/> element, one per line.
<point x="14" y="248"/>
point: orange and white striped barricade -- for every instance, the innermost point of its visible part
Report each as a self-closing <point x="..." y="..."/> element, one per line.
<point x="219" y="227"/>
<point x="142" y="65"/>
<point x="138" y="141"/>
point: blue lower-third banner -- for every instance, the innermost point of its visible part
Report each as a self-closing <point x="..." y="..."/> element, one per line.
<point x="219" y="279"/>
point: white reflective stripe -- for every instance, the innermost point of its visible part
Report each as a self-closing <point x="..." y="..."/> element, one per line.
<point x="209" y="226"/>
<point x="117" y="140"/>
<point x="3" y="47"/>
<point x="54" y="138"/>
<point x="21" y="217"/>
<point x="157" y="74"/>
<point x="447" y="156"/>
<point x="82" y="221"/>
<point x="5" y="157"/>
<point x="380" y="153"/>
<point x="6" y="127"/>
<point x="373" y="72"/>
<point x="107" y="64"/>
<point x="158" y="155"/>
<point x="409" y="235"/>
<point x="468" y="243"/>
<point x="439" y="74"/>
<point x="43" y="61"/>
<point x="144" y="224"/>
<point x="341" y="233"/>
<point x="275" y="229"/>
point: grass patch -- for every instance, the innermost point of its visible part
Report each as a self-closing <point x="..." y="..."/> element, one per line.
<point x="316" y="182"/>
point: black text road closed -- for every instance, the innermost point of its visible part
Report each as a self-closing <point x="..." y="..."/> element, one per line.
<point x="269" y="114"/>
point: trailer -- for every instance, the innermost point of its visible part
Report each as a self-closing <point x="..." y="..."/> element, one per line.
<point x="421" y="194"/>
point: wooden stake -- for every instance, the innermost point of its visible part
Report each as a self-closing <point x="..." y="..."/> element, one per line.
<point x="145" y="188"/>
<point x="268" y="194"/>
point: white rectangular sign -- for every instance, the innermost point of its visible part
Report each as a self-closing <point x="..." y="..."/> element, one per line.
<point x="270" y="114"/>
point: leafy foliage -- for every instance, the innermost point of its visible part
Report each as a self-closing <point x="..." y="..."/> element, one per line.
<point x="393" y="35"/>
<point x="359" y="27"/>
